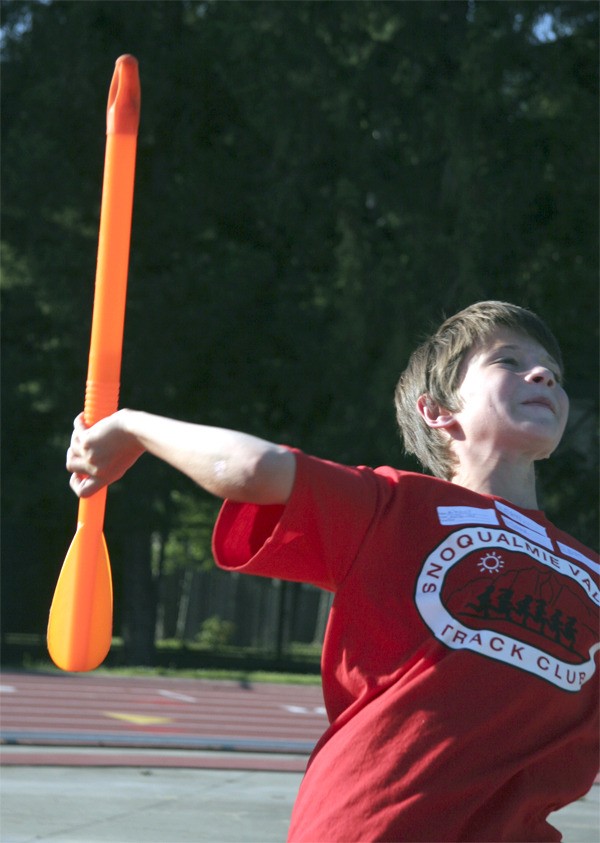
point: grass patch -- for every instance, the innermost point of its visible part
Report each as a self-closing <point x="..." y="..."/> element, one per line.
<point x="217" y="674"/>
<point x="176" y="659"/>
<point x="222" y="674"/>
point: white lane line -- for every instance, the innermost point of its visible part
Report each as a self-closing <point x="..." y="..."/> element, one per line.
<point x="173" y="695"/>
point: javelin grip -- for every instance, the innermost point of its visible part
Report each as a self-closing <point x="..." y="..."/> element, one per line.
<point x="101" y="400"/>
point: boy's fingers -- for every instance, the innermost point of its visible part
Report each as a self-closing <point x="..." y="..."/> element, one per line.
<point x="75" y="456"/>
<point x="83" y="480"/>
<point x="76" y="483"/>
<point x="79" y="459"/>
<point x="83" y="485"/>
<point x="79" y="422"/>
<point x="75" y="447"/>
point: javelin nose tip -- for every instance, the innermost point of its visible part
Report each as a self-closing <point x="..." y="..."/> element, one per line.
<point x="124" y="98"/>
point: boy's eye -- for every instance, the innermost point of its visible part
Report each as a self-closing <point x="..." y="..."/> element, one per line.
<point x="513" y="361"/>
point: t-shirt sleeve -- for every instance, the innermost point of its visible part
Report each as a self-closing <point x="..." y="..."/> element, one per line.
<point x="315" y="537"/>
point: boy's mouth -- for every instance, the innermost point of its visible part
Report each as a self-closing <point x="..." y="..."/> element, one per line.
<point x="542" y="402"/>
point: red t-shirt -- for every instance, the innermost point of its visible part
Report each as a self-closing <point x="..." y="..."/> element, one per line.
<point x="458" y="667"/>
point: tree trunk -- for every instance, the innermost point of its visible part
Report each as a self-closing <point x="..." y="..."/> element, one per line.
<point x="139" y="600"/>
<point x="281" y="637"/>
<point x="325" y="601"/>
<point x="187" y="581"/>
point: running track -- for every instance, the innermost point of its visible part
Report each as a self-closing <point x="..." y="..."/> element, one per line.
<point x="85" y="719"/>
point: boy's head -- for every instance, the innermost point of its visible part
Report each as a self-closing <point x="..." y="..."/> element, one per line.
<point x="436" y="370"/>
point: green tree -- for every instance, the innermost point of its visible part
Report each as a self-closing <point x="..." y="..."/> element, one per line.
<point x="317" y="184"/>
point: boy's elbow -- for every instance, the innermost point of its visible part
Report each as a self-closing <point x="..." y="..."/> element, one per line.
<point x="269" y="478"/>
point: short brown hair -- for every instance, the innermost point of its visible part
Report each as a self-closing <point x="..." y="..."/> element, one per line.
<point x="435" y="369"/>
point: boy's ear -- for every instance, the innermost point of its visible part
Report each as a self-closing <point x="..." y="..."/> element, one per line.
<point x="434" y="415"/>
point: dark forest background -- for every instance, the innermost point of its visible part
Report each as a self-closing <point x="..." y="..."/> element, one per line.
<point x="318" y="183"/>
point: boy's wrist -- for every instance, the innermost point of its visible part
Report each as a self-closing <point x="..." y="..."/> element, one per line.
<point x="127" y="423"/>
<point x="123" y="419"/>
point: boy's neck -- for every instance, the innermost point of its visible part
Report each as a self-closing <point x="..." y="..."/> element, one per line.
<point x="514" y="483"/>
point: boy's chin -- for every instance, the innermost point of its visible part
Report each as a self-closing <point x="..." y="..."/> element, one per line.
<point x="545" y="451"/>
<point x="541" y="444"/>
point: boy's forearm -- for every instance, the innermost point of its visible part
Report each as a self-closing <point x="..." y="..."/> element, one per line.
<point x="227" y="463"/>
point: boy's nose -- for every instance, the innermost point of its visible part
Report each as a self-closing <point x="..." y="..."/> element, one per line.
<point x="540" y="374"/>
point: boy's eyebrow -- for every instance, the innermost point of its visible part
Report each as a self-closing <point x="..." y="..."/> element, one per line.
<point x="504" y="347"/>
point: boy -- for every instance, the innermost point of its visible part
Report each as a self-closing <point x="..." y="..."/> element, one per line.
<point x="459" y="661"/>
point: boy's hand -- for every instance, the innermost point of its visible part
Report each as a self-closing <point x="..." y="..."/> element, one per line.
<point x="100" y="454"/>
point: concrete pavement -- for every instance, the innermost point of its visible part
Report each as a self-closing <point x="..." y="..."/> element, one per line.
<point x="157" y="805"/>
<point x="124" y="805"/>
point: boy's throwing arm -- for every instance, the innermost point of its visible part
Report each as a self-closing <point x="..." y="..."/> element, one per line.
<point x="226" y="463"/>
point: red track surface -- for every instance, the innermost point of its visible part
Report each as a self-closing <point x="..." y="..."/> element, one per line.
<point x="84" y="719"/>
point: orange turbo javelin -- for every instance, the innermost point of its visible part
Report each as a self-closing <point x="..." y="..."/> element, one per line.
<point x="80" y="622"/>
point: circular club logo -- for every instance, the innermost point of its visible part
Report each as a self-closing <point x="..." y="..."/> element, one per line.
<point x="498" y="594"/>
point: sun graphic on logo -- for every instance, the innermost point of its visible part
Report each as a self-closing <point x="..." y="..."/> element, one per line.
<point x="492" y="563"/>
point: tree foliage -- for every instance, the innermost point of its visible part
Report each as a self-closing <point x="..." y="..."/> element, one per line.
<point x="317" y="184"/>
